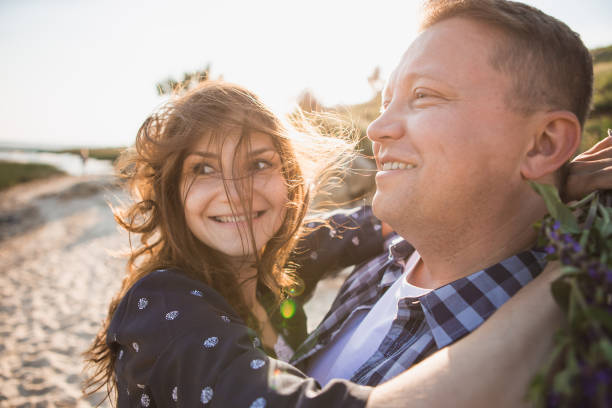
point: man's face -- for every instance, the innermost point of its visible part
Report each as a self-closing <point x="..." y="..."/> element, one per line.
<point x="447" y="146"/>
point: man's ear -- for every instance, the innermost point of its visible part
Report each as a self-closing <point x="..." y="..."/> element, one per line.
<point x="554" y="143"/>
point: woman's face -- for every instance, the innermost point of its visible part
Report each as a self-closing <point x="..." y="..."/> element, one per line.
<point x="208" y="207"/>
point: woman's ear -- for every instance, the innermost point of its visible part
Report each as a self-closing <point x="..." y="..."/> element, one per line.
<point x="554" y="143"/>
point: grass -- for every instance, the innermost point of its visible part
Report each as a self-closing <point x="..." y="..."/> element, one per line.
<point x="12" y="173"/>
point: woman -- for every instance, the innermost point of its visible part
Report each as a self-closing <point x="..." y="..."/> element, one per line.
<point x="221" y="196"/>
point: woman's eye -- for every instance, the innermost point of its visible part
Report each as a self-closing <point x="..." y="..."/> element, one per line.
<point x="203" y="169"/>
<point x="261" y="165"/>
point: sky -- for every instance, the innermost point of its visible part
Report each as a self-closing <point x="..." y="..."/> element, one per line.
<point x="83" y="72"/>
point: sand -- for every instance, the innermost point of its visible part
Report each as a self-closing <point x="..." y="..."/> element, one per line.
<point x="60" y="264"/>
<point x="57" y="274"/>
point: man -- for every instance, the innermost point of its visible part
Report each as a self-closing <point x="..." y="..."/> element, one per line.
<point x="491" y="94"/>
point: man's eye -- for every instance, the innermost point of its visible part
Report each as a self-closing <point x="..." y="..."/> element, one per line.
<point x="421" y="93"/>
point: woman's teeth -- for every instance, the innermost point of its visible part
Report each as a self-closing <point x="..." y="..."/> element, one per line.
<point x="397" y="165"/>
<point x="237" y="218"/>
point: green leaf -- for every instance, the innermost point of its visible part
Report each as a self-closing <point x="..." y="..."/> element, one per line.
<point x="600" y="315"/>
<point x="561" y="293"/>
<point x="563" y="382"/>
<point x="605" y="228"/>
<point x="570" y="270"/>
<point x="573" y="310"/>
<point x="584" y="237"/>
<point x="606" y="348"/>
<point x="585" y="200"/>
<point x="556" y="208"/>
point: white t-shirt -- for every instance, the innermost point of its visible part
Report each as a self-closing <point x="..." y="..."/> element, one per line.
<point x="362" y="334"/>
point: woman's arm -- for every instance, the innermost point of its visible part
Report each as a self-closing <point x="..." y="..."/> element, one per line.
<point x="344" y="238"/>
<point x="492" y="366"/>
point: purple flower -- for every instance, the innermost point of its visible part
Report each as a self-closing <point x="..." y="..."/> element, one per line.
<point x="556" y="225"/>
<point x="602" y="376"/>
<point x="554" y="400"/>
<point x="550" y="249"/>
<point x="568" y="239"/>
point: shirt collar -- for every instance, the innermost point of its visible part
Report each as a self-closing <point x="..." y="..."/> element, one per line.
<point x="398" y="251"/>
<point x="458" y="308"/>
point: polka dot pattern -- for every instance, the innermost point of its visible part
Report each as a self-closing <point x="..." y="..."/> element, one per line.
<point x="257" y="363"/>
<point x="172" y="315"/>
<point x="258" y="403"/>
<point x="142" y="303"/>
<point x="206" y="395"/>
<point x="211" y="342"/>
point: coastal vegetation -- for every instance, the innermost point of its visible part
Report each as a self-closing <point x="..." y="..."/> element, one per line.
<point x="12" y="173"/>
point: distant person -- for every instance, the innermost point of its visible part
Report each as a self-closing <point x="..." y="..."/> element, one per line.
<point x="84" y="154"/>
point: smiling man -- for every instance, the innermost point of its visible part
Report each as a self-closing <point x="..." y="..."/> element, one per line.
<point x="490" y="95"/>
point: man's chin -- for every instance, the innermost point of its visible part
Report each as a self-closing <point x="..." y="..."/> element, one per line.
<point x="381" y="209"/>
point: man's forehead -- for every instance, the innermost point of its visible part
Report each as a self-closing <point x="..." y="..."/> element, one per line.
<point x="445" y="45"/>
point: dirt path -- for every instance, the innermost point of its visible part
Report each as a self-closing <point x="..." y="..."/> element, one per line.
<point x="57" y="273"/>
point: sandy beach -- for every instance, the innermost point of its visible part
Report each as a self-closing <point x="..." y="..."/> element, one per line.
<point x="60" y="263"/>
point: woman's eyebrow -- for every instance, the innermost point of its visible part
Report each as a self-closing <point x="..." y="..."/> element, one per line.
<point x="210" y="155"/>
<point x="262" y="150"/>
<point x="206" y="155"/>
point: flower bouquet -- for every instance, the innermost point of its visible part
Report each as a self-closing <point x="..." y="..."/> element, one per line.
<point x="578" y="372"/>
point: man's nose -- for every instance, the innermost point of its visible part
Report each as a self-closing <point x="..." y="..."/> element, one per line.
<point x="387" y="126"/>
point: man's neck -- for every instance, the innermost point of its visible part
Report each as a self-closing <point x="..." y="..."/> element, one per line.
<point x="454" y="256"/>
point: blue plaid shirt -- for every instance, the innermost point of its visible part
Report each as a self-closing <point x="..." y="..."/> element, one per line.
<point x="424" y="324"/>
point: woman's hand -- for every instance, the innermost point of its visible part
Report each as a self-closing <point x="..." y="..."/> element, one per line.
<point x="590" y="171"/>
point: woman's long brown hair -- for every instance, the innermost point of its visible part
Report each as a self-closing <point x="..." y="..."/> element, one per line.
<point x="153" y="172"/>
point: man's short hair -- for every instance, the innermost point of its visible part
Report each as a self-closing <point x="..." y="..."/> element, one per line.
<point x="549" y="65"/>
